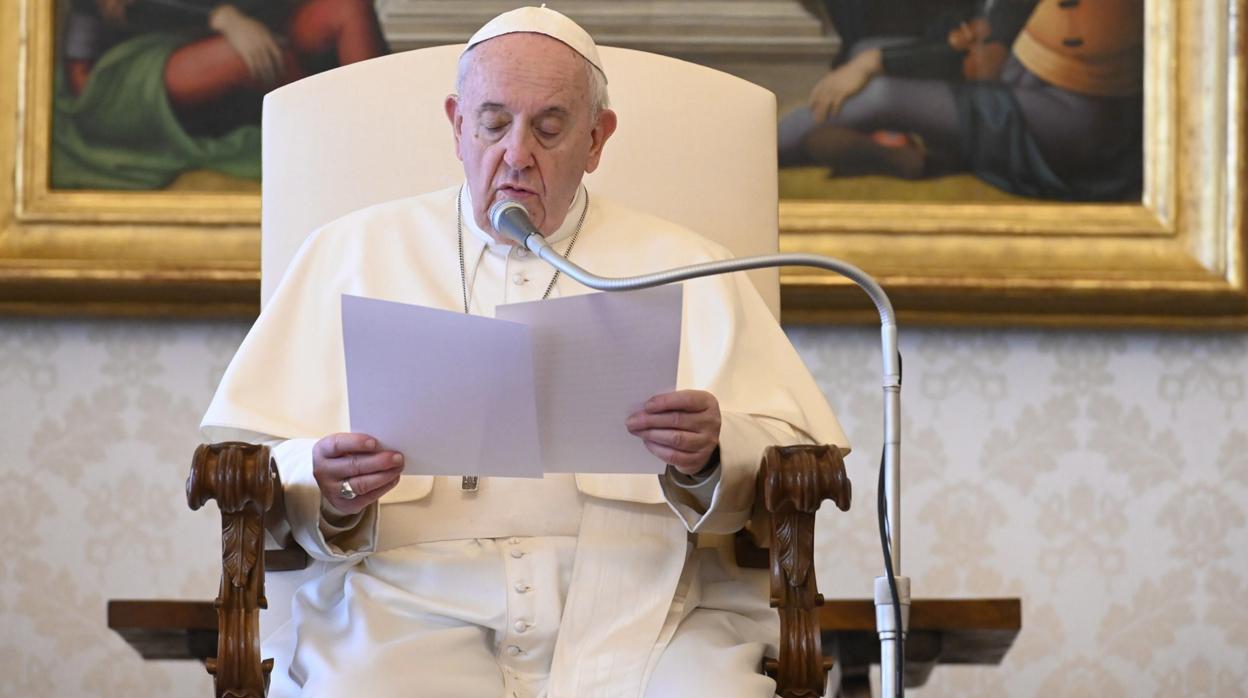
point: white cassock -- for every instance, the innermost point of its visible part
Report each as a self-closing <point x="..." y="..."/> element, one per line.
<point x="629" y="583"/>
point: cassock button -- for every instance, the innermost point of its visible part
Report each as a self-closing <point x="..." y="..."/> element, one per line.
<point x="521" y="626"/>
<point x="521" y="252"/>
<point x="517" y="553"/>
<point x="519" y="279"/>
<point x="514" y="651"/>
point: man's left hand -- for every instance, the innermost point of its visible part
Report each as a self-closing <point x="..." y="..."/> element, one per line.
<point x="843" y="82"/>
<point x="680" y="428"/>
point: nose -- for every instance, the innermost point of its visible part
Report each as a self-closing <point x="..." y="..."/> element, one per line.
<point x="518" y="148"/>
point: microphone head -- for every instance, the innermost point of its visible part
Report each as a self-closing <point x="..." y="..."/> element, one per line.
<point x="511" y="218"/>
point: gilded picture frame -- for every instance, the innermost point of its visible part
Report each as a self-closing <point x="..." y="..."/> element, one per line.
<point x="136" y="253"/>
<point x="1175" y="259"/>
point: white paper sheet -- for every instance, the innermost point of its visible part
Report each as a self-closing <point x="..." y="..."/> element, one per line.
<point x="442" y="388"/>
<point x="597" y="358"/>
<point x="546" y="386"/>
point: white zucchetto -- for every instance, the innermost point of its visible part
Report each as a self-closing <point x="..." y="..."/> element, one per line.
<point x="540" y="20"/>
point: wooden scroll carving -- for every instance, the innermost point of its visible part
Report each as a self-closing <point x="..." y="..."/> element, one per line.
<point x="243" y="480"/>
<point x="792" y="482"/>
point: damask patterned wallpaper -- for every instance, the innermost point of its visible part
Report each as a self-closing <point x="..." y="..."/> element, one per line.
<point x="1102" y="477"/>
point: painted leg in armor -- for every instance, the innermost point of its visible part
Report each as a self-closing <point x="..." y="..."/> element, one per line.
<point x="844" y="141"/>
<point x="1075" y="132"/>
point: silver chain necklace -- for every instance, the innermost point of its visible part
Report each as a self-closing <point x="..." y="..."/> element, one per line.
<point x="463" y="273"/>
<point x="470" y="483"/>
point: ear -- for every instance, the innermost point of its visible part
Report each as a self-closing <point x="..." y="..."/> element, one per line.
<point x="451" y="106"/>
<point x="598" y="138"/>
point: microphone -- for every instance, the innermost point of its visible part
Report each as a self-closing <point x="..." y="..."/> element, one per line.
<point x="892" y="590"/>
<point x="511" y="219"/>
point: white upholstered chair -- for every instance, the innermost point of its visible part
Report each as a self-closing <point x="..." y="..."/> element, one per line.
<point x="694" y="145"/>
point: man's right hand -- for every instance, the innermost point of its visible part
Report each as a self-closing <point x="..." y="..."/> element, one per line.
<point x="114" y="11"/>
<point x="984" y="57"/>
<point x="253" y="42"/>
<point x="354" y="458"/>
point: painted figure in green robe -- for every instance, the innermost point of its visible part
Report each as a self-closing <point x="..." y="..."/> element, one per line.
<point x="148" y="89"/>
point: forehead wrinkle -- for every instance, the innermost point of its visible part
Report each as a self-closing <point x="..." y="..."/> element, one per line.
<point x="553" y="110"/>
<point x="505" y="88"/>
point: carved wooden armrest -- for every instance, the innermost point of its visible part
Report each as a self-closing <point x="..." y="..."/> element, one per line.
<point x="792" y="482"/>
<point x="243" y="480"/>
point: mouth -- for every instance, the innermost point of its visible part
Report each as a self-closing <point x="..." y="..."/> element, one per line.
<point x="514" y="191"/>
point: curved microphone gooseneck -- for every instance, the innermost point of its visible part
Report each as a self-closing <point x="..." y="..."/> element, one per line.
<point x="891" y="591"/>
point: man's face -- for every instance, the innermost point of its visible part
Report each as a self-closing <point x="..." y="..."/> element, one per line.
<point x="524" y="127"/>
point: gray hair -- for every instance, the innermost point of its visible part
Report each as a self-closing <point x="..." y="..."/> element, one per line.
<point x="597" y="81"/>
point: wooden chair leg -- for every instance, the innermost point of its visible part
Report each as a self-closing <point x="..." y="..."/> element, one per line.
<point x="243" y="481"/>
<point x="792" y="482"/>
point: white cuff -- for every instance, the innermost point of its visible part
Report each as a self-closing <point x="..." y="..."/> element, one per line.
<point x="324" y="539"/>
<point x="700" y="487"/>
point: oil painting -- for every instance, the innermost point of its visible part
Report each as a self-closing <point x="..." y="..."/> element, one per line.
<point x="1038" y="99"/>
<point x="155" y="94"/>
<point x="1023" y="162"/>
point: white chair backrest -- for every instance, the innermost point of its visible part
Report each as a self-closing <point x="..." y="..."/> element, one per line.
<point x="694" y="145"/>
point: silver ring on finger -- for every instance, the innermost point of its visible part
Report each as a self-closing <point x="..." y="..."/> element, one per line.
<point x="345" y="491"/>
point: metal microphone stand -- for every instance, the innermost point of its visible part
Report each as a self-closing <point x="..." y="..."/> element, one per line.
<point x="892" y="601"/>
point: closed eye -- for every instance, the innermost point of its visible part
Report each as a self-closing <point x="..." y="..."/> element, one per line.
<point x="495" y="129"/>
<point x="549" y="127"/>
<point x="493" y="120"/>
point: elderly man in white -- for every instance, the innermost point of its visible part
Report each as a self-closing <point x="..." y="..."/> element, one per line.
<point x="568" y="586"/>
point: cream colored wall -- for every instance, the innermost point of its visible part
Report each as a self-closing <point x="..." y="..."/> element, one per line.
<point x="1102" y="477"/>
<point x="99" y="423"/>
